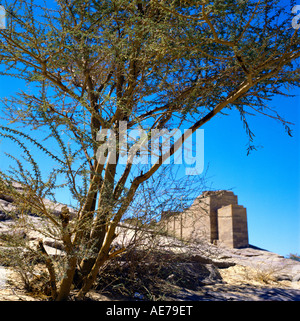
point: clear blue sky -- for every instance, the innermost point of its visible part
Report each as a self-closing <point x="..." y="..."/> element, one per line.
<point x="266" y="181"/>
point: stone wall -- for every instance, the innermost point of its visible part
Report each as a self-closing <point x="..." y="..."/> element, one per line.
<point x="215" y="217"/>
<point x="233" y="230"/>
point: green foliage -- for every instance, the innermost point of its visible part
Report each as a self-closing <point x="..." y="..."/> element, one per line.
<point x="295" y="257"/>
<point x="91" y="64"/>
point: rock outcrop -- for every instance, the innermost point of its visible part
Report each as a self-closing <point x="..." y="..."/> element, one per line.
<point x="198" y="271"/>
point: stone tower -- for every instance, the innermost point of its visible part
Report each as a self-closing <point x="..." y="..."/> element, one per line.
<point x="215" y="216"/>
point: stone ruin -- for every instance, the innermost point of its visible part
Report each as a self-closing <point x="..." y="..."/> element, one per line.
<point x="215" y="216"/>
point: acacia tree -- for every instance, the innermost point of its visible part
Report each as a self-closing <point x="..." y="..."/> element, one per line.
<point x="152" y="64"/>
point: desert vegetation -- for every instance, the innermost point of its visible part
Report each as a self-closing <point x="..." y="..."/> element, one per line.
<point x="91" y="67"/>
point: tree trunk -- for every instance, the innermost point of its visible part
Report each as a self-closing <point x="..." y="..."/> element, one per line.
<point x="104" y="214"/>
<point x="67" y="281"/>
<point x="102" y="257"/>
<point x="95" y="245"/>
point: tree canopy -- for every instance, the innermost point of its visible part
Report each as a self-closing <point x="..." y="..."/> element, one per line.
<point x="92" y="65"/>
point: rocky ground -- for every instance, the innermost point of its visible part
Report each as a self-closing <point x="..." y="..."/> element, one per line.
<point x="256" y="276"/>
<point x="237" y="275"/>
<point x="237" y="283"/>
<point x="190" y="272"/>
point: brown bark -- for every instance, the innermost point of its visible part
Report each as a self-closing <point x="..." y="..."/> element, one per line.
<point x="67" y="281"/>
<point x="99" y="227"/>
<point x="51" y="269"/>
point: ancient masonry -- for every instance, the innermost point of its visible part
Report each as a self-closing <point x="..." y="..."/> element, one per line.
<point x="215" y="216"/>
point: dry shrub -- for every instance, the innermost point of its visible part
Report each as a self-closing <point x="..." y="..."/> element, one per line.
<point x="150" y="277"/>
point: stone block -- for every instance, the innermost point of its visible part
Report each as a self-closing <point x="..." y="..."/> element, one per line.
<point x="214" y="216"/>
<point x="233" y="229"/>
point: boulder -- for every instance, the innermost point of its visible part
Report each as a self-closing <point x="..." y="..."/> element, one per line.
<point x="6" y="198"/>
<point x="3" y="216"/>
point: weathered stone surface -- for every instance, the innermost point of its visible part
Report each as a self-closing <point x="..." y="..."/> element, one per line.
<point x="206" y="271"/>
<point x="232" y="226"/>
<point x="6" y="198"/>
<point x="8" y="206"/>
<point x="215" y="217"/>
<point x="53" y="243"/>
<point x="3" y="216"/>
